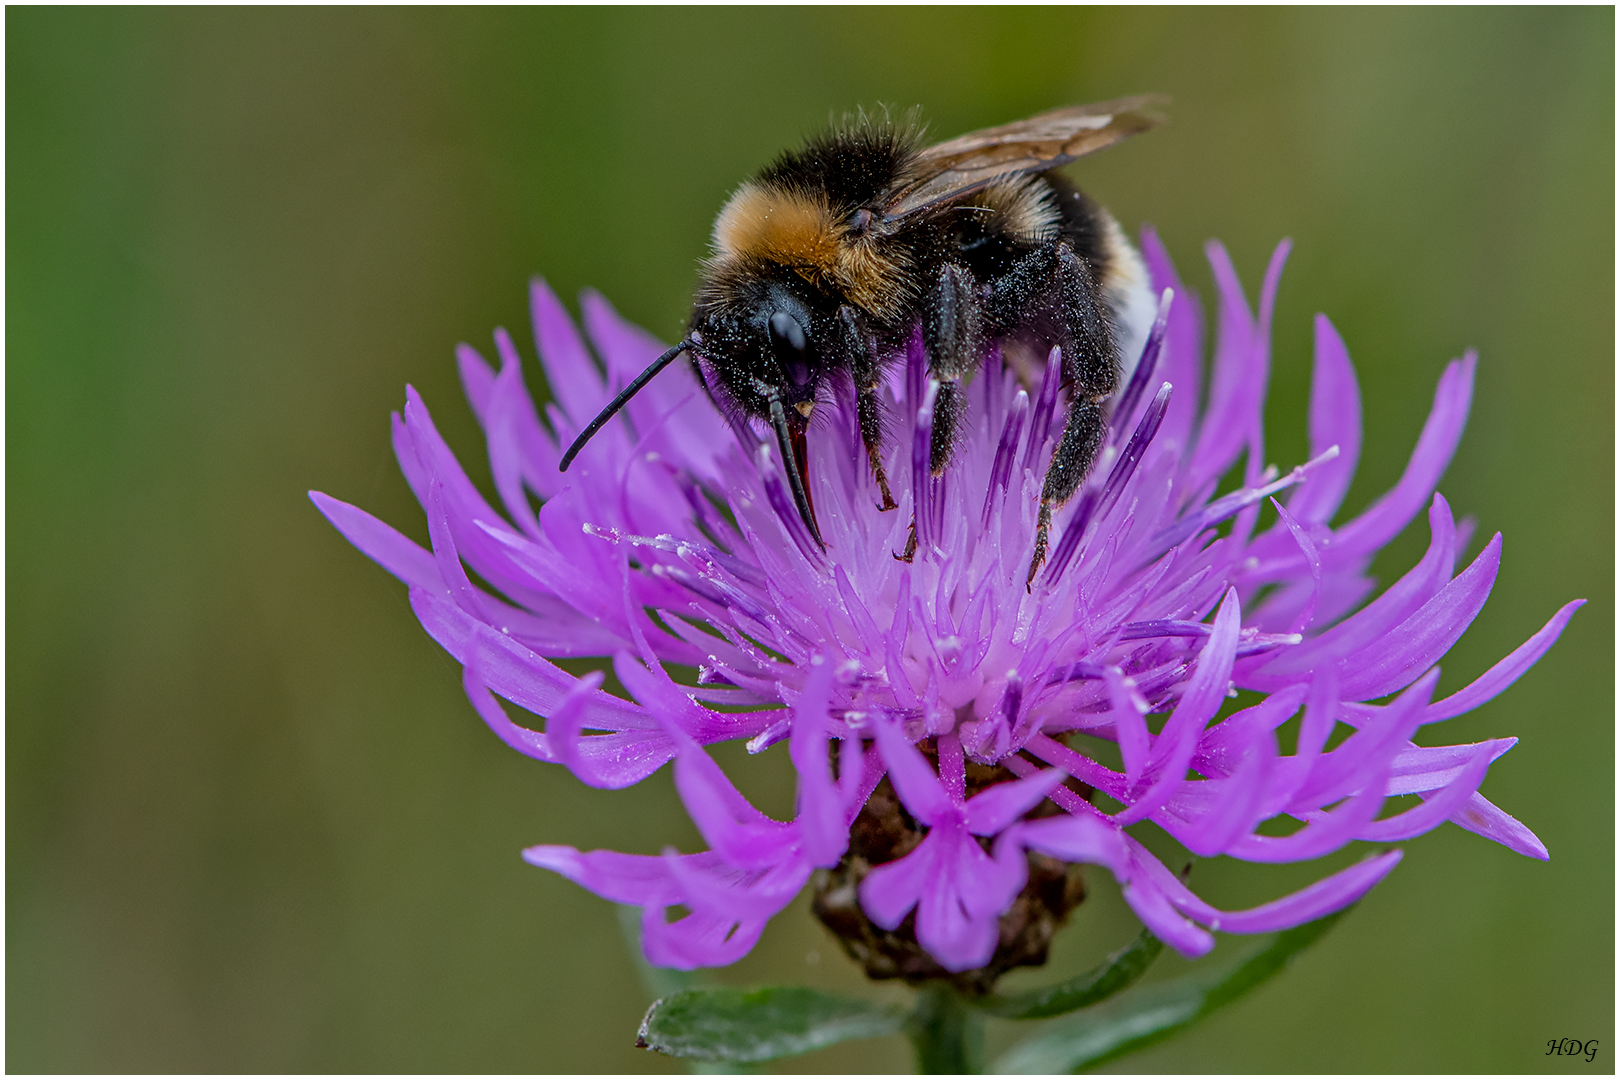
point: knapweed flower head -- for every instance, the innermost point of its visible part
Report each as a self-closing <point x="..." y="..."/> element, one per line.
<point x="931" y="698"/>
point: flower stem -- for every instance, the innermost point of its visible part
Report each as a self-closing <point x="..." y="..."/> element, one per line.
<point x="947" y="1035"/>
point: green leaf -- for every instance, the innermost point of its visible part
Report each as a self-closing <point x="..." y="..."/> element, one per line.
<point x="662" y="982"/>
<point x="1145" y="1015"/>
<point x="1103" y="981"/>
<point x="759" y="1025"/>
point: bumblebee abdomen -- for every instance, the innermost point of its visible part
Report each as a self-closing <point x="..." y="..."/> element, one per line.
<point x="1117" y="268"/>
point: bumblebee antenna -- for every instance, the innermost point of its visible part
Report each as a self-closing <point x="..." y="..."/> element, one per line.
<point x="621" y="400"/>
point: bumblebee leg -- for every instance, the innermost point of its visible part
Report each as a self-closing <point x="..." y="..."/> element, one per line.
<point x="911" y="545"/>
<point x="952" y="332"/>
<point x="1076" y="450"/>
<point x="863" y="368"/>
<point x="871" y="417"/>
<point x="1051" y="296"/>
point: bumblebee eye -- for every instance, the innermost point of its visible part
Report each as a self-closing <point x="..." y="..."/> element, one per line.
<point x="788" y="343"/>
<point x="786" y="332"/>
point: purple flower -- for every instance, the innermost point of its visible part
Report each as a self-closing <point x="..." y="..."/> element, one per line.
<point x="673" y="543"/>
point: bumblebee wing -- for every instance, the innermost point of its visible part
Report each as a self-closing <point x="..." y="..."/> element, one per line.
<point x="976" y="160"/>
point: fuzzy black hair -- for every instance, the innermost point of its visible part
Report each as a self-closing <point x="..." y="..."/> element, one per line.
<point x="853" y="163"/>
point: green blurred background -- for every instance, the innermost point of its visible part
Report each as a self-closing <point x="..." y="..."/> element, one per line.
<point x="251" y="822"/>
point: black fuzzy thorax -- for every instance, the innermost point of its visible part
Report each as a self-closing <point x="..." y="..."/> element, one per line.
<point x="853" y="166"/>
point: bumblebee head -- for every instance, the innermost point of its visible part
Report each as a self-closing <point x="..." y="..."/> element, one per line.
<point x="763" y="353"/>
<point x="766" y="350"/>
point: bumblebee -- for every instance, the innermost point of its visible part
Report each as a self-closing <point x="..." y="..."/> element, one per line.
<point x="831" y="259"/>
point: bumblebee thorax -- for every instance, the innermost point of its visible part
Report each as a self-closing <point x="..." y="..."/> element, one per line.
<point x="851" y="253"/>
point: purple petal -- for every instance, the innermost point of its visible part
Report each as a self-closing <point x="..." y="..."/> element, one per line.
<point x="859" y="773"/>
<point x="1041" y="413"/>
<point x="701" y="939"/>
<point x="448" y="559"/>
<point x="1125" y="467"/>
<point x="1118" y="480"/>
<point x="676" y="706"/>
<point x="990" y="894"/>
<point x="579" y="566"/>
<point x="1261" y="370"/>
<point x="524" y="741"/>
<point x="1313" y="560"/>
<point x="1393" y="662"/>
<point x="520" y="451"/>
<point x="424" y="457"/>
<point x="1001" y="470"/>
<point x="1143" y="370"/>
<point x="1378" y="618"/>
<point x="515" y="672"/>
<point x="1428" y="768"/>
<point x="952" y="762"/>
<point x="734" y="829"/>
<point x="914" y="779"/>
<point x="1150" y="903"/>
<point x="1207" y="689"/>
<point x="1234" y="333"/>
<point x="1228" y="505"/>
<point x="1130" y="729"/>
<point x="1222" y="747"/>
<point x="1242" y="366"/>
<point x="1308" y="904"/>
<point x="1167" y="924"/>
<point x="615" y="760"/>
<point x="1322" y="707"/>
<point x="1437" y="807"/>
<point x="781" y="503"/>
<point x="667" y="410"/>
<point x="1479" y="815"/>
<point x="958" y="938"/>
<point x="1183" y="361"/>
<point x="1202" y="699"/>
<point x="1370" y="752"/>
<point x="1335" y="421"/>
<point x="1239" y="803"/>
<point x="1505" y="672"/>
<point x="1077" y="838"/>
<point x="612" y="761"/>
<point x="750" y="897"/>
<point x="1075" y="764"/>
<point x="821" y="813"/>
<point x="891" y="890"/>
<point x="1381" y="522"/>
<point x="477" y="379"/>
<point x="383" y="544"/>
<point x="643" y="880"/>
<point x="431" y="457"/>
<point x="571" y="374"/>
<point x="999" y="805"/>
<point x="1342" y="592"/>
<point x="1328" y="832"/>
<point x="924" y="486"/>
<point x="626" y="350"/>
